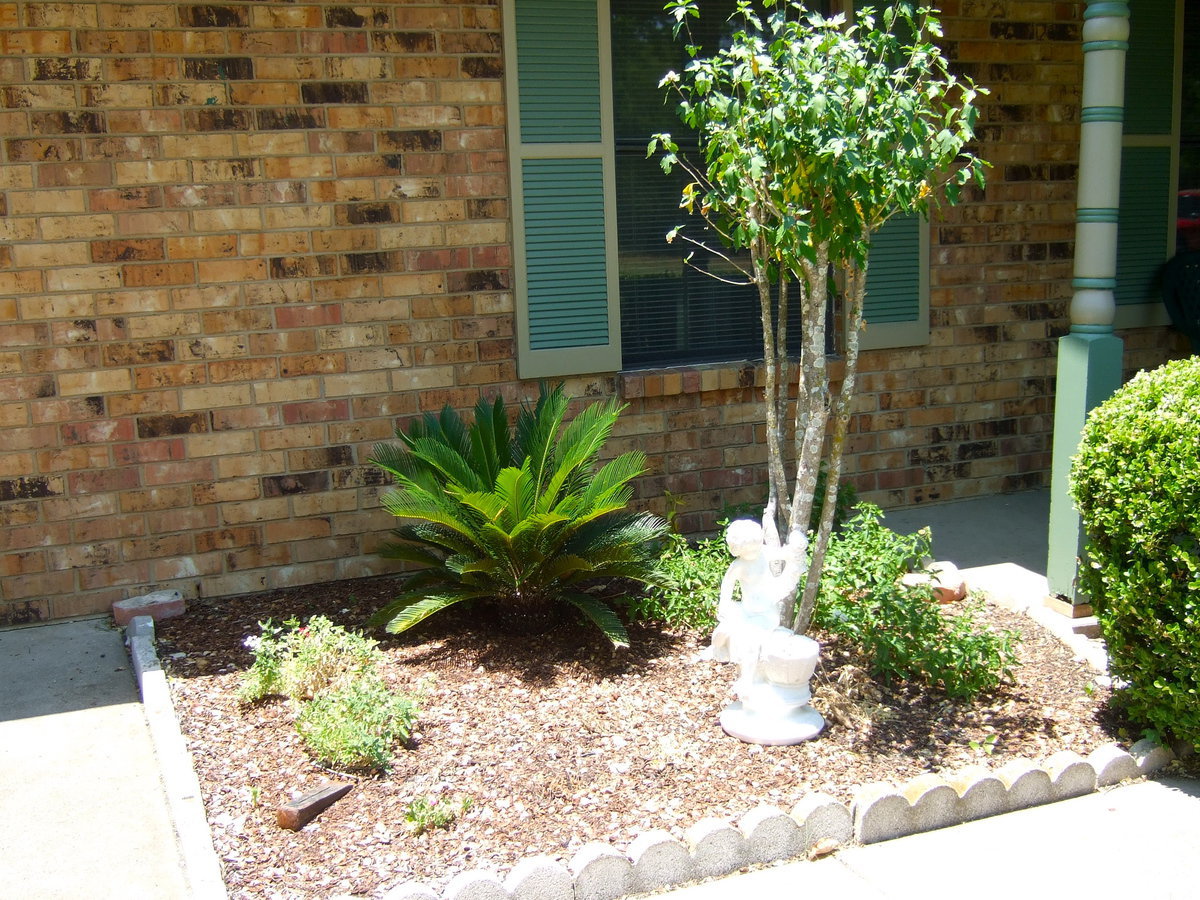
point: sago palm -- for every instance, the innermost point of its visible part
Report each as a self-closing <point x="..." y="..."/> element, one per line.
<point x="524" y="517"/>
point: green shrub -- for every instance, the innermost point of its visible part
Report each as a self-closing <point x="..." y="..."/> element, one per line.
<point x="356" y="725"/>
<point x="524" y="518"/>
<point x="1136" y="482"/>
<point x="690" y="587"/>
<point x="300" y="661"/>
<point x="904" y="632"/>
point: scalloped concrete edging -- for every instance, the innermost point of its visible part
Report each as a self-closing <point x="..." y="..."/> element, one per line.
<point x="879" y="812"/>
<point x="656" y="860"/>
<point x="202" y="869"/>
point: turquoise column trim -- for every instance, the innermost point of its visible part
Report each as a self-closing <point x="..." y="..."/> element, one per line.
<point x="1094" y="284"/>
<point x="1097" y="9"/>
<point x="1105" y="215"/>
<point x="1103" y="114"/>
<point x="1093" y="46"/>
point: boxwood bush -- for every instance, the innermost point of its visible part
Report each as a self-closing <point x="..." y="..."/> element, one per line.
<point x="1136" y="482"/>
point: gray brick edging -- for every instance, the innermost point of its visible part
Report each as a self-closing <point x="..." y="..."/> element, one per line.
<point x="201" y="866"/>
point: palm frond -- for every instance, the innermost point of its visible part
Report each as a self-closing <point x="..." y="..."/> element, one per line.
<point x="417" y="553"/>
<point x="576" y="450"/>
<point x="491" y="448"/>
<point x="613" y="476"/>
<point x="407" y="610"/>
<point x="601" y="616"/>
<point x="448" y="461"/>
<point x="441" y="510"/>
<point x="537" y="430"/>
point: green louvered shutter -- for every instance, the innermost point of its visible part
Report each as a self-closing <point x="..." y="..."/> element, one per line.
<point x="1144" y="236"/>
<point x="562" y="171"/>
<point x="896" y="308"/>
<point x="1149" y="162"/>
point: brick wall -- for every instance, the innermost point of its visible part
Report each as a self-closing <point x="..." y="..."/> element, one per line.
<point x="239" y="242"/>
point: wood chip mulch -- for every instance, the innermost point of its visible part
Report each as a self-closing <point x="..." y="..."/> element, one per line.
<point x="557" y="741"/>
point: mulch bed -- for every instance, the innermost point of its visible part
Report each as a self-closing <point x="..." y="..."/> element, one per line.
<point x="557" y="741"/>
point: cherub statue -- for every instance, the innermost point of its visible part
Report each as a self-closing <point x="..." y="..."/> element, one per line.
<point x="774" y="663"/>
<point x="765" y="574"/>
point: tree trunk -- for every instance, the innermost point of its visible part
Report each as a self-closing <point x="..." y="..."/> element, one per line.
<point x="856" y="281"/>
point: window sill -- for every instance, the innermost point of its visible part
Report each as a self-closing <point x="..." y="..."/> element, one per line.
<point x="677" y="380"/>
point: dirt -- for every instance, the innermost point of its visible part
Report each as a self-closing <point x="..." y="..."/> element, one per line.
<point x="555" y="740"/>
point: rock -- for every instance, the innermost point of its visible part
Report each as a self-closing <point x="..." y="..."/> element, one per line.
<point x="1026" y="784"/>
<point x="475" y="884"/>
<point x="934" y="803"/>
<point x="1150" y="756"/>
<point x="881" y="813"/>
<point x="1070" y="775"/>
<point x="980" y="793"/>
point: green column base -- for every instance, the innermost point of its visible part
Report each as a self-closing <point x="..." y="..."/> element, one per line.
<point x="1089" y="371"/>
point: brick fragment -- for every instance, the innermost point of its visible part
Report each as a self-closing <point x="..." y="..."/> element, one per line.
<point x="157" y="605"/>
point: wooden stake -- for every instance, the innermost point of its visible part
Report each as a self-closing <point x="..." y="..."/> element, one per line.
<point x="298" y="813"/>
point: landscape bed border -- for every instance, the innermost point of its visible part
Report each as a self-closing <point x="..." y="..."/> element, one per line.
<point x="656" y="860"/>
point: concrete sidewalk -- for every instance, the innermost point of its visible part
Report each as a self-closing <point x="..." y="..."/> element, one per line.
<point x="83" y="806"/>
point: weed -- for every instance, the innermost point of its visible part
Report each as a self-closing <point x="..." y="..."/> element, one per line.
<point x="424" y="815"/>
<point x="357" y="725"/>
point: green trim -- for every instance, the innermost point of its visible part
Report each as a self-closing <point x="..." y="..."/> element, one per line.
<point x="1106" y="215"/>
<point x="1091" y="46"/>
<point x="1091" y="329"/>
<point x="1102" y="114"/>
<point x="1094" y="284"/>
<point x="1098" y="9"/>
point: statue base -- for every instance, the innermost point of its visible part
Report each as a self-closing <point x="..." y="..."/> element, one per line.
<point x="771" y="730"/>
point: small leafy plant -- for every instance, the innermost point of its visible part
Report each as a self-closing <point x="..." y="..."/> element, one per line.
<point x="526" y="518"/>
<point x="425" y="815"/>
<point x="1136" y="482"/>
<point x="346" y="715"/>
<point x="356" y="725"/>
<point x="905" y="634"/>
<point x="691" y="583"/>
<point x="300" y="661"/>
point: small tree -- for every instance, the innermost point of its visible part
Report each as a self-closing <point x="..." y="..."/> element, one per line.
<point x="813" y="133"/>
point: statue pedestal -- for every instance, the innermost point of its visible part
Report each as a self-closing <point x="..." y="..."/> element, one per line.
<point x="773" y="695"/>
<point x="798" y="725"/>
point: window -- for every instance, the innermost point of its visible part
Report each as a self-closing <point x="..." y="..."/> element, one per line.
<point x="598" y="288"/>
<point x="1152" y="181"/>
